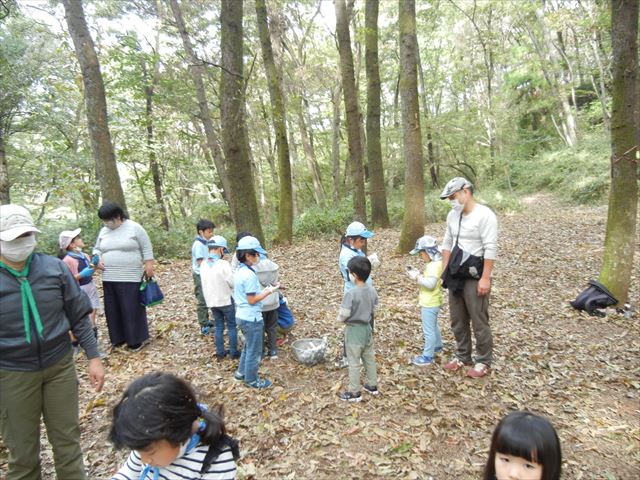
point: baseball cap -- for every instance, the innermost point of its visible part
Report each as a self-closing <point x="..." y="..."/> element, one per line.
<point x="426" y="243"/>
<point x="455" y="185"/>
<point x="250" y="243"/>
<point x="357" y="229"/>
<point x="15" y="220"/>
<point x="218" y="241"/>
<point x="65" y="238"/>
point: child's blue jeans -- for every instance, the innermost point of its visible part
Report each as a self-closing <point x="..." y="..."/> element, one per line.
<point x="431" y="330"/>
<point x="221" y="316"/>
<point x="252" y="351"/>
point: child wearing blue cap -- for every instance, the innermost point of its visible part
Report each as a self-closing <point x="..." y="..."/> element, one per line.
<point x="199" y="253"/>
<point x="217" y="288"/>
<point x="352" y="242"/>
<point x="248" y="297"/>
<point x="430" y="297"/>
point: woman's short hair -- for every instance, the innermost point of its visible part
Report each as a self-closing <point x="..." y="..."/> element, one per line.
<point x="110" y="210"/>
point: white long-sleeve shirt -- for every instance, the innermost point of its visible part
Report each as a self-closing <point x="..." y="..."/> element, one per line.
<point x="186" y="467"/>
<point x="478" y="232"/>
<point x="217" y="282"/>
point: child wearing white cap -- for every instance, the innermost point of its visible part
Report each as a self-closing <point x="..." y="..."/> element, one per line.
<point x="82" y="268"/>
<point x="430" y="297"/>
<point x="217" y="288"/>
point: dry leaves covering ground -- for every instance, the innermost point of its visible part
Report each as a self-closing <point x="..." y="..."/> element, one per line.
<point x="582" y="372"/>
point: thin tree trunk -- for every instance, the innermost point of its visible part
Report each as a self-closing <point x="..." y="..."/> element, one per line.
<point x="619" y="244"/>
<point x="431" y="158"/>
<point x="379" y="213"/>
<point x="196" y="68"/>
<point x="310" y="155"/>
<point x="414" y="215"/>
<point x="96" y="104"/>
<point x="351" y="109"/>
<point x="335" y="143"/>
<point x="149" y="89"/>
<point x="234" y="137"/>
<point x="5" y="185"/>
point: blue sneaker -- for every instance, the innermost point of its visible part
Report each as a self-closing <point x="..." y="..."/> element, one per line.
<point x="260" y="383"/>
<point x="238" y="377"/>
<point x="422" y="360"/>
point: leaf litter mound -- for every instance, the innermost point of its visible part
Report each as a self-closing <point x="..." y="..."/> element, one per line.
<point x="581" y="372"/>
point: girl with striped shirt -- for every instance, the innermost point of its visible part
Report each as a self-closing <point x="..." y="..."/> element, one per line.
<point x="171" y="435"/>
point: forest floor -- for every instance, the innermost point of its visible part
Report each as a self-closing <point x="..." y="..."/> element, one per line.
<point x="581" y="372"/>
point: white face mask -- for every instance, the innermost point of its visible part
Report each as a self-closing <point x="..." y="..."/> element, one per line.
<point x="352" y="278"/>
<point x="110" y="224"/>
<point x="19" y="249"/>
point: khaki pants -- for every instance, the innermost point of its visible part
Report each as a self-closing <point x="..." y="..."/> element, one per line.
<point x="468" y="311"/>
<point x="359" y="345"/>
<point x="201" y="308"/>
<point x="25" y="397"/>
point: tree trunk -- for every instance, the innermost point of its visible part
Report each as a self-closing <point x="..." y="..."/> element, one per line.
<point x="379" y="214"/>
<point x="5" y="185"/>
<point x="234" y="136"/>
<point x="196" y="69"/>
<point x="149" y="88"/>
<point x="96" y="104"/>
<point x="350" y="95"/>
<point x="310" y="155"/>
<point x="431" y="157"/>
<point x="335" y="143"/>
<point x="617" y="267"/>
<point x="413" y="220"/>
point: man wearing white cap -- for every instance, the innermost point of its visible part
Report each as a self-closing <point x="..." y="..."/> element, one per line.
<point x="469" y="250"/>
<point x="40" y="300"/>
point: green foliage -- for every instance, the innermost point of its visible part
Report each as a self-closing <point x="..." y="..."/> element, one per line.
<point x="579" y="175"/>
<point x="317" y="220"/>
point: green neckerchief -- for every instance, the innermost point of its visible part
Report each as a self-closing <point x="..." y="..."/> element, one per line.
<point x="28" y="302"/>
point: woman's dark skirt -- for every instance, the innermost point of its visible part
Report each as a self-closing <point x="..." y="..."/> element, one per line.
<point x="126" y="317"/>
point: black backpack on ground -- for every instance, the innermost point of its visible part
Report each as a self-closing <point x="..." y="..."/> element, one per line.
<point x="595" y="296"/>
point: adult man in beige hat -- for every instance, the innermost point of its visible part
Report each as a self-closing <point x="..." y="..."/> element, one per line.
<point x="39" y="301"/>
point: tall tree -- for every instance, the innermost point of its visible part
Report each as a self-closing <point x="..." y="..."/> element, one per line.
<point x="95" y="102"/>
<point x="379" y="214"/>
<point x="619" y="244"/>
<point x="285" y="211"/>
<point x="197" y="70"/>
<point x="232" y="108"/>
<point x="352" y="113"/>
<point x="413" y="220"/>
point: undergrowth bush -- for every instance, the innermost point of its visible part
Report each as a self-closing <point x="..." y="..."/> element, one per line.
<point x="578" y="175"/>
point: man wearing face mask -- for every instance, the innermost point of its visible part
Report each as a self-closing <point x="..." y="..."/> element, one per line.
<point x="40" y="302"/>
<point x="469" y="251"/>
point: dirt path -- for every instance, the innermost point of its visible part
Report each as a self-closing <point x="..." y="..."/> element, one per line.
<point x="582" y="372"/>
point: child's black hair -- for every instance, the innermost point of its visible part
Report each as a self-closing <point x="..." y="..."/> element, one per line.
<point x="529" y="436"/>
<point x="241" y="255"/>
<point x="360" y="267"/>
<point x="240" y="235"/>
<point x="161" y="406"/>
<point x="204" y="224"/>
<point x="110" y="210"/>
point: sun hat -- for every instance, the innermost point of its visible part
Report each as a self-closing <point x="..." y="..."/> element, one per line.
<point x="455" y="185"/>
<point x="66" y="237"/>
<point x="218" y="241"/>
<point x="357" y="229"/>
<point x="428" y="244"/>
<point x="250" y="243"/>
<point x="15" y="220"/>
